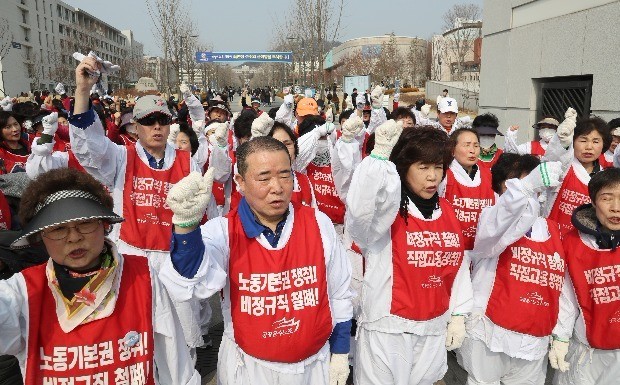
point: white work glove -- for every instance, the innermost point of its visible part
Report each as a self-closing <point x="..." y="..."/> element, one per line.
<point x="329" y="116"/>
<point x="566" y="129"/>
<point x="189" y="197"/>
<point x="456" y="332"/>
<point x="289" y="101"/>
<point x="325" y="129"/>
<point x="261" y="125"/>
<point x="106" y="66"/>
<point x="557" y="355"/>
<point x="386" y="137"/>
<point x="6" y="104"/>
<point x="338" y="369"/>
<point x="60" y="88"/>
<point x="396" y="97"/>
<point x="351" y="128"/>
<point x="172" y="136"/>
<point x="425" y="110"/>
<point x="464" y="121"/>
<point x="376" y="97"/>
<point x="220" y="134"/>
<point x="187" y="93"/>
<point x="546" y="174"/>
<point x="198" y="126"/>
<point x="50" y="124"/>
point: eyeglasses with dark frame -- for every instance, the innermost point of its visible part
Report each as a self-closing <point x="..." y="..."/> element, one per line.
<point x="150" y="120"/>
<point x="61" y="232"/>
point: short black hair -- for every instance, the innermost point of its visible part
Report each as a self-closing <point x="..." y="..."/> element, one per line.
<point x="309" y="123"/>
<point x="614" y="123"/>
<point x="272" y="112"/>
<point x="610" y="177"/>
<point x="445" y="90"/>
<point x="485" y="120"/>
<point x="193" y="138"/>
<point x="281" y="126"/>
<point x="594" y="123"/>
<point x="345" y="115"/>
<point x="402" y="113"/>
<point x="509" y="166"/>
<point x="262" y="143"/>
<point x="243" y="124"/>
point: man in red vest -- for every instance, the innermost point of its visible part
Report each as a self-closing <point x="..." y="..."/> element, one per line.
<point x="90" y="314"/>
<point x="281" y="270"/>
<point x="141" y="175"/>
<point x="518" y="277"/>
<point x="586" y="340"/>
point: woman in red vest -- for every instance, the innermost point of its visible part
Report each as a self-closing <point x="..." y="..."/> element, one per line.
<point x="89" y="314"/>
<point x="14" y="148"/>
<point x="518" y="277"/>
<point x="589" y="138"/>
<point x="586" y="340"/>
<point x="416" y="290"/>
<point x="467" y="186"/>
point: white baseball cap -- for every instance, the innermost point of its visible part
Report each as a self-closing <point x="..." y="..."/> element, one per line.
<point x="448" y="105"/>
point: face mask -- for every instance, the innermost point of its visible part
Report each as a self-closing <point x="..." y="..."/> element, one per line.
<point x="486" y="141"/>
<point x="546" y="134"/>
<point x="64" y="126"/>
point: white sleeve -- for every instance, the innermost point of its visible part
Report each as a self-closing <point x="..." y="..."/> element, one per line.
<point x="377" y="118"/>
<point x="569" y="311"/>
<point x="173" y="363"/>
<point x="307" y="150"/>
<point x="557" y="153"/>
<point x="212" y="273"/>
<point x="94" y="150"/>
<point x="220" y="160"/>
<point x="500" y="225"/>
<point x="510" y="142"/>
<point x="43" y="159"/>
<point x="12" y="308"/>
<point x="372" y="201"/>
<point x="286" y="116"/>
<point x="338" y="271"/>
<point x="617" y="157"/>
<point x="196" y="111"/>
<point x="462" y="295"/>
<point x="201" y="157"/>
<point x="345" y="156"/>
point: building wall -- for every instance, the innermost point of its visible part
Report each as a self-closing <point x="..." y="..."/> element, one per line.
<point x="527" y="40"/>
<point x="49" y="31"/>
<point x="352" y="46"/>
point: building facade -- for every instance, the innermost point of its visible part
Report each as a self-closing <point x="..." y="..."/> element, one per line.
<point x="540" y="57"/>
<point x="44" y="34"/>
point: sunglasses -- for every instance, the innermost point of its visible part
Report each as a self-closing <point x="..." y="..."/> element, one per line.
<point x="150" y="120"/>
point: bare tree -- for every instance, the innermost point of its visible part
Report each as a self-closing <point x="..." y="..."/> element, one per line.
<point x="416" y="60"/>
<point x="6" y="40"/>
<point x="316" y="22"/>
<point x="171" y="26"/>
<point x="390" y="63"/>
<point x="460" y="41"/>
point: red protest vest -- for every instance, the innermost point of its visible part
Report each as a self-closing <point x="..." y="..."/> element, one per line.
<point x="148" y="219"/>
<point x="572" y="193"/>
<point x="278" y="298"/>
<point x="127" y="140"/>
<point x="325" y="194"/>
<point x="426" y="255"/>
<point x="304" y="195"/>
<point x="5" y="213"/>
<point x="528" y="281"/>
<point x="101" y="351"/>
<point x="489" y="163"/>
<point x="12" y="162"/>
<point x="537" y="149"/>
<point x="595" y="274"/>
<point x="605" y="162"/>
<point x="468" y="202"/>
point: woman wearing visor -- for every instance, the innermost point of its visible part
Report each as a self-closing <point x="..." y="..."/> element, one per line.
<point x="88" y="314"/>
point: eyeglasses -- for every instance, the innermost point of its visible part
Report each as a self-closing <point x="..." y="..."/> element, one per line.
<point x="62" y="232"/>
<point x="150" y="120"/>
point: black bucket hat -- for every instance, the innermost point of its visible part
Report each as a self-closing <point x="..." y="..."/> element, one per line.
<point x="62" y="207"/>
